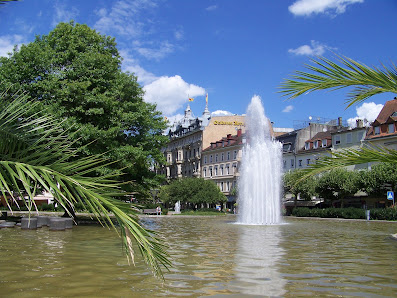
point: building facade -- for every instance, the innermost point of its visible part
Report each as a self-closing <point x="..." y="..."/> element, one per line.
<point x="221" y="162"/>
<point x="189" y="136"/>
<point x="302" y="146"/>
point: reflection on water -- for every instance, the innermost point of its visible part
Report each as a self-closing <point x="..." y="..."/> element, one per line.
<point x="257" y="261"/>
<point x="211" y="256"/>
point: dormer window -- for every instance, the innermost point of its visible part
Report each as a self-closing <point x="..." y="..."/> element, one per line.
<point x="315" y="144"/>
<point x="377" y="130"/>
<point x="287" y="147"/>
<point x="391" y="128"/>
<point x="307" y="145"/>
<point x="324" y="143"/>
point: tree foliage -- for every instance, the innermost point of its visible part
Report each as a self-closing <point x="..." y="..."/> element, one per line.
<point x="381" y="178"/>
<point x="191" y="190"/>
<point x="36" y="154"/>
<point x="337" y="184"/>
<point x="305" y="188"/>
<point x="76" y="73"/>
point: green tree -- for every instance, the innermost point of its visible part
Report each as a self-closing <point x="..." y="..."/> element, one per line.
<point x="194" y="191"/>
<point x="305" y="189"/>
<point x="381" y="178"/>
<point x="337" y="184"/>
<point x="36" y="154"/>
<point x="325" y="74"/>
<point x="76" y="72"/>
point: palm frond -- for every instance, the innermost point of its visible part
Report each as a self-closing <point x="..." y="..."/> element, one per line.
<point x="36" y="155"/>
<point x="325" y="74"/>
<point x="348" y="157"/>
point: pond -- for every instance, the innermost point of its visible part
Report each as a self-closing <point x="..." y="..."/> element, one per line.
<point x="212" y="256"/>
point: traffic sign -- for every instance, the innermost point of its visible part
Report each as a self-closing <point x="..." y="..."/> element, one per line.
<point x="390" y="195"/>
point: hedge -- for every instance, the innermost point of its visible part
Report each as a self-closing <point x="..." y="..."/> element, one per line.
<point x="351" y="213"/>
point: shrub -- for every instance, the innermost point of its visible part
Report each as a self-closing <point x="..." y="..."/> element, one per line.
<point x="351" y="213"/>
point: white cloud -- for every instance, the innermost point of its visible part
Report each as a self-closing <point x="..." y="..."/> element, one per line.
<point x="7" y="43"/>
<point x="124" y="18"/>
<point x="212" y="7"/>
<point x="170" y="93"/>
<point x="63" y="13"/>
<point x="221" y="113"/>
<point x="367" y="111"/>
<point x="178" y="34"/>
<point x="308" y="7"/>
<point x="288" y="109"/>
<point x="163" y="50"/>
<point x="314" y="49"/>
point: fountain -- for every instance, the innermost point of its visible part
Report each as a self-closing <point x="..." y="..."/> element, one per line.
<point x="260" y="175"/>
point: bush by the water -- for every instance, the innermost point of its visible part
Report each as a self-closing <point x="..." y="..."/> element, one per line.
<point x="351" y="213"/>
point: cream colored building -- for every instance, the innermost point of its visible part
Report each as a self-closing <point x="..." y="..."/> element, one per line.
<point x="221" y="161"/>
<point x="189" y="136"/>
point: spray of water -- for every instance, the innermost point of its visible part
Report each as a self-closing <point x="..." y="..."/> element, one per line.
<point x="259" y="198"/>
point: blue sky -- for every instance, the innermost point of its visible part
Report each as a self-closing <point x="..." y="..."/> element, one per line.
<point x="230" y="49"/>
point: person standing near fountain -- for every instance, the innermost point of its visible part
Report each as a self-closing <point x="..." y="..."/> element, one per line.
<point x="260" y="180"/>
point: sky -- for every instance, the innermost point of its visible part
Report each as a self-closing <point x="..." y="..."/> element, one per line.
<point x="228" y="49"/>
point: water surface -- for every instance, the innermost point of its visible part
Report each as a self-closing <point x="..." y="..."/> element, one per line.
<point x="212" y="257"/>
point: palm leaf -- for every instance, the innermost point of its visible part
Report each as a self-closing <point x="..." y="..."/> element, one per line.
<point x="36" y="154"/>
<point x="326" y="74"/>
<point x="349" y="157"/>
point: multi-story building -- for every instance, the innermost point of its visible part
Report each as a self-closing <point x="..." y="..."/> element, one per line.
<point x="383" y="131"/>
<point x="350" y="138"/>
<point x="221" y="161"/>
<point x="189" y="136"/>
<point x="301" y="146"/>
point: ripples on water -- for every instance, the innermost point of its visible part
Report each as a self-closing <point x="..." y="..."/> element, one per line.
<point x="211" y="257"/>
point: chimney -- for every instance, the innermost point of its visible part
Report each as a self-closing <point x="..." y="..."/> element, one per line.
<point x="239" y="132"/>
<point x="339" y="121"/>
<point x="359" y="123"/>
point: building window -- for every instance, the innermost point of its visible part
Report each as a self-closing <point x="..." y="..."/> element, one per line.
<point x="307" y="145"/>
<point x="324" y="143"/>
<point x="221" y="170"/>
<point x="227" y="169"/>
<point x="292" y="163"/>
<point x="228" y="155"/>
<point x="227" y="186"/>
<point x="205" y="172"/>
<point x="234" y="168"/>
<point x="337" y="140"/>
<point x="300" y="162"/>
<point x="349" y="138"/>
<point x="210" y="171"/>
<point x="308" y="161"/>
<point x="216" y="171"/>
<point x="205" y="159"/>
<point x="221" y="186"/>
<point x="377" y="130"/>
<point x="287" y="147"/>
<point x="216" y="157"/>
<point x="222" y="156"/>
<point x="391" y="128"/>
<point x="235" y="154"/>
<point x="210" y="158"/>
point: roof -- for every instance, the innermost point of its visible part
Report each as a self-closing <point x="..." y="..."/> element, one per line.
<point x="387" y="115"/>
<point x="227" y="141"/>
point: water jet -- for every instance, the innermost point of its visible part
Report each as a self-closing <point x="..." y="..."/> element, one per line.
<point x="259" y="198"/>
